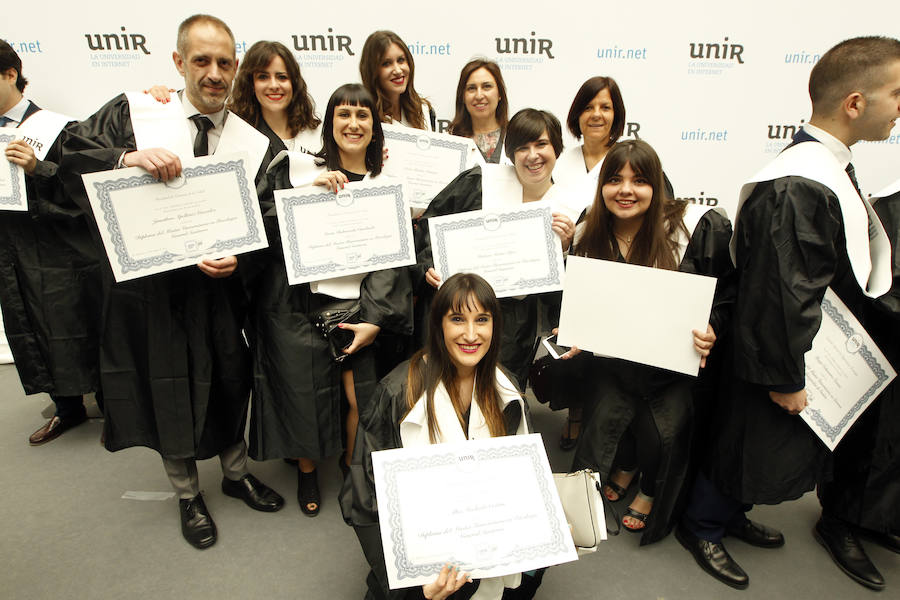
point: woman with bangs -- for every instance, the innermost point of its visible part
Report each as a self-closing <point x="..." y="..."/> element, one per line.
<point x="387" y="70"/>
<point x="450" y="391"/>
<point x="482" y="108"/>
<point x="638" y="419"/>
<point x="533" y="142"/>
<point x="298" y="386"/>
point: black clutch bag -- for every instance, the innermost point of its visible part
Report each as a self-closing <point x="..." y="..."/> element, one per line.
<point x="327" y="319"/>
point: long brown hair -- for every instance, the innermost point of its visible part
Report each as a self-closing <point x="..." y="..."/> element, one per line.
<point x="655" y="244"/>
<point x="432" y="364"/>
<point x="301" y="111"/>
<point x="369" y="64"/>
<point x="462" y="120"/>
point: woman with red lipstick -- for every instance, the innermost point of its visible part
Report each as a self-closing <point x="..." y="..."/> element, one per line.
<point x="639" y="418"/>
<point x="533" y="142"/>
<point x="387" y="69"/>
<point x="482" y="107"/>
<point x="451" y="390"/>
<point x="298" y="387"/>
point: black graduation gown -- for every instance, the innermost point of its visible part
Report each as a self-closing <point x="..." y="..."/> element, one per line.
<point x="50" y="286"/>
<point x="520" y="316"/>
<point x="612" y="387"/>
<point x="866" y="486"/>
<point x="790" y="247"/>
<point x="174" y="367"/>
<point x="379" y="429"/>
<point x="296" y="409"/>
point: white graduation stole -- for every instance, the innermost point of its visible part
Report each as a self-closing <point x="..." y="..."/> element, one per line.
<point x="41" y="129"/>
<point x="868" y="246"/>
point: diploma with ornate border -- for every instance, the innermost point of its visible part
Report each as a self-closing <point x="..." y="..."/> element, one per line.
<point x="147" y="226"/>
<point x="428" y="161"/>
<point x="490" y="506"/>
<point x="845" y="372"/>
<point x="365" y="227"/>
<point x="12" y="177"/>
<point x="514" y="249"/>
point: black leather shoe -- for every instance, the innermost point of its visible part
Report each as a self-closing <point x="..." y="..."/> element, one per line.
<point x="714" y="559"/>
<point x="253" y="492"/>
<point x="756" y="534"/>
<point x="197" y="526"/>
<point x="54" y="428"/>
<point x="846" y="551"/>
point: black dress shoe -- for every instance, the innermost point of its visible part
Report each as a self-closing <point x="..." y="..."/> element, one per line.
<point x="253" y="492"/>
<point x="756" y="534"/>
<point x="847" y="552"/>
<point x="713" y="558"/>
<point x="197" y="526"/>
<point x="54" y="428"/>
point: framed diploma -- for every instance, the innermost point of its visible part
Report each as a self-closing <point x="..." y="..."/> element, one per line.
<point x="845" y="372"/>
<point x="148" y="226"/>
<point x="365" y="227"/>
<point x="514" y="249"/>
<point x="428" y="161"/>
<point x="12" y="177"/>
<point x="490" y="506"/>
<point x="640" y="314"/>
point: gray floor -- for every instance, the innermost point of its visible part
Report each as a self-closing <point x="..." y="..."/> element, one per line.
<point x="67" y="533"/>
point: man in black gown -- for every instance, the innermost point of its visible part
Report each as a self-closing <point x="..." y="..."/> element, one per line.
<point x="865" y="491"/>
<point x="793" y="239"/>
<point x="49" y="269"/>
<point x="174" y="363"/>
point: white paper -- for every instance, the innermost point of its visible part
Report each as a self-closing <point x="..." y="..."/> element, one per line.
<point x="148" y="227"/>
<point x="845" y="372"/>
<point x="640" y="314"/>
<point x="13" y="195"/>
<point x="428" y="161"/>
<point x="365" y="227"/>
<point x="41" y="129"/>
<point x="489" y="505"/>
<point x="158" y="125"/>
<point x="514" y="249"/>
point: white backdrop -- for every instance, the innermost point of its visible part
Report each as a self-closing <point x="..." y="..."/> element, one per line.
<point x="713" y="120"/>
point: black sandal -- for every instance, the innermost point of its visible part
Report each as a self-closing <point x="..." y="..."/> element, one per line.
<point x="617" y="489"/>
<point x="637" y="515"/>
<point x="566" y="441"/>
<point x="308" y="493"/>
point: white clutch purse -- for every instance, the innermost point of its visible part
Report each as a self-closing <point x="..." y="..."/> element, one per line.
<point x="582" y="501"/>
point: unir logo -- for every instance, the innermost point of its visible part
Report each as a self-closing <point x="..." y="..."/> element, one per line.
<point x="720" y="51"/>
<point x="530" y="45"/>
<point x="701" y="199"/>
<point x="323" y="43"/>
<point x="783" y="132"/>
<point x="117" y="41"/>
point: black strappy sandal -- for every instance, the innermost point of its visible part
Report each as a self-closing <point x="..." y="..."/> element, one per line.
<point x="308" y="493"/>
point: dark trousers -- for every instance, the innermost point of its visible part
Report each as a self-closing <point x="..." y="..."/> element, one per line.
<point x="68" y="406"/>
<point x="709" y="511"/>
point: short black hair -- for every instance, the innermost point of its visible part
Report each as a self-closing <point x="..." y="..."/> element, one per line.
<point x="588" y="90"/>
<point x="354" y="94"/>
<point x="10" y="60"/>
<point x="527" y="125"/>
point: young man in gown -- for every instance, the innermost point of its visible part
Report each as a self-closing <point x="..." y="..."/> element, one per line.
<point x="49" y="267"/>
<point x="173" y="359"/>
<point x="801" y="227"/>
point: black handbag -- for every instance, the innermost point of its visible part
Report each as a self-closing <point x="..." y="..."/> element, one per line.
<point x="327" y="319"/>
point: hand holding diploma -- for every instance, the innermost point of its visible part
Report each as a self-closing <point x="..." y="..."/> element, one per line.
<point x="793" y="403"/>
<point x="333" y="180"/>
<point x="448" y="582"/>
<point x="159" y="162"/>
<point x="703" y="343"/>
<point x="219" y="267"/>
<point x="564" y="228"/>
<point x="20" y="153"/>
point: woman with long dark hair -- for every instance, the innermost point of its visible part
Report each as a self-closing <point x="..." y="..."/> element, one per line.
<point x="638" y="419"/>
<point x="451" y="390"/>
<point x="298" y="387"/>
<point x="387" y="70"/>
<point x="482" y="107"/>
